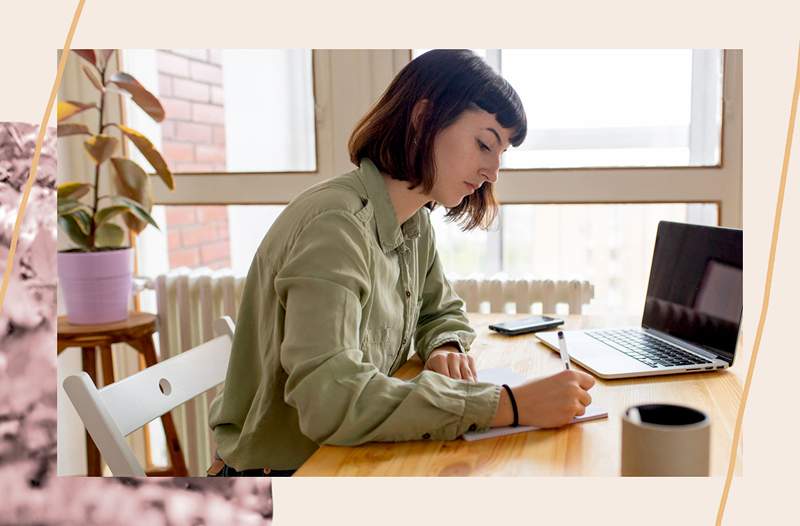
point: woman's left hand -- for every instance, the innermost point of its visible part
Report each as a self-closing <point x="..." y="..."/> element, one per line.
<point x="453" y="363"/>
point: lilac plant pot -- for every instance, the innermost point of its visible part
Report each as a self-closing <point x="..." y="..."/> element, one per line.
<point x="96" y="285"/>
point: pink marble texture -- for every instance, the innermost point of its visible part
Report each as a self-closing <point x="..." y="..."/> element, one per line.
<point x="30" y="490"/>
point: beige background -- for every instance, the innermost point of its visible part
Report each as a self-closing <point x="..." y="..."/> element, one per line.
<point x="766" y="31"/>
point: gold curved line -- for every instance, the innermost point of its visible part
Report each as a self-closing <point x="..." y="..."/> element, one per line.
<point x="767" y="289"/>
<point x="37" y="152"/>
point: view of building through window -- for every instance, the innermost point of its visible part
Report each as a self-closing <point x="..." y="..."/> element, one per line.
<point x="193" y="140"/>
<point x="217" y="103"/>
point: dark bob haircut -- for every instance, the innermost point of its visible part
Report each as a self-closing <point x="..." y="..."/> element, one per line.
<point x="452" y="80"/>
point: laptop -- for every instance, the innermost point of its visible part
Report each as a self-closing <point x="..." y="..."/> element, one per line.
<point x="692" y="312"/>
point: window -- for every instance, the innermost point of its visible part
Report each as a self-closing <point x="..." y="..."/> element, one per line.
<point x="593" y="108"/>
<point x="231" y="110"/>
<point x="213" y="236"/>
<point x="269" y="110"/>
<point x="607" y="108"/>
<point x="611" y="246"/>
<point x="607" y="129"/>
<point x="227" y="111"/>
<point x="616" y="137"/>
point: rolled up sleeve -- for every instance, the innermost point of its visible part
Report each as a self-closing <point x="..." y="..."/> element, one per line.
<point x="340" y="398"/>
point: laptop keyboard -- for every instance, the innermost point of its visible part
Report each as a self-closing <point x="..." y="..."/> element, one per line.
<point x="645" y="348"/>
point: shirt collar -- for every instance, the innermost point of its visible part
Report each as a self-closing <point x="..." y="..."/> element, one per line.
<point x="390" y="234"/>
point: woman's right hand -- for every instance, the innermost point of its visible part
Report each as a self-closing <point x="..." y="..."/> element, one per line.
<point x="552" y="401"/>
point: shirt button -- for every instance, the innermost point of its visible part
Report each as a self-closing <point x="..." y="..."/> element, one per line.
<point x="426" y="436"/>
<point x="403" y="342"/>
<point x="408" y="294"/>
<point x="473" y="427"/>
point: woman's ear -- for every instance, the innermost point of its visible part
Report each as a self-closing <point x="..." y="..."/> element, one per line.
<point x="420" y="108"/>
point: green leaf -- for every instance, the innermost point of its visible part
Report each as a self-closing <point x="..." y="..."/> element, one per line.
<point x="69" y="224"/>
<point x="65" y="130"/>
<point x="150" y="153"/>
<point x="68" y="205"/>
<point x="135" y="208"/>
<point x="87" y="54"/>
<point x="100" y="147"/>
<point x="73" y="190"/>
<point x="109" y="235"/>
<point x="143" y="98"/>
<point x="109" y="212"/>
<point x="132" y="182"/>
<point x="68" y="108"/>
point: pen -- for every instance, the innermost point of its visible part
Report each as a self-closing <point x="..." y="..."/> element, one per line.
<point x="562" y="347"/>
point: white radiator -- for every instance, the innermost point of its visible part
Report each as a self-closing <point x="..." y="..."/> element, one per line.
<point x="499" y="291"/>
<point x="188" y="302"/>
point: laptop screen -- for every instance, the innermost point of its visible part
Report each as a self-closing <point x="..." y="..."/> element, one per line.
<point x="695" y="289"/>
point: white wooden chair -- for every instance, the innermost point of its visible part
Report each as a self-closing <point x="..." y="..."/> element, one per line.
<point x="116" y="410"/>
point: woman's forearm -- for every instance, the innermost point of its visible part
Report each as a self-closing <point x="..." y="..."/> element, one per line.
<point x="504" y="416"/>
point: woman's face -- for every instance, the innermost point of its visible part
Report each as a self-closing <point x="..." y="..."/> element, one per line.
<point x="467" y="155"/>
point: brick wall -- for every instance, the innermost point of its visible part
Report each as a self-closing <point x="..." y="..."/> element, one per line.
<point x="193" y="140"/>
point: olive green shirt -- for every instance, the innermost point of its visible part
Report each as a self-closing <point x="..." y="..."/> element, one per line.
<point x="335" y="296"/>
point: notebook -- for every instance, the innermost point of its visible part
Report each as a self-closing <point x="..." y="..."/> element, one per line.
<point x="507" y="376"/>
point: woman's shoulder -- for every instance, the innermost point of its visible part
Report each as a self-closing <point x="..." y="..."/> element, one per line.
<point x="336" y="201"/>
<point x="339" y="194"/>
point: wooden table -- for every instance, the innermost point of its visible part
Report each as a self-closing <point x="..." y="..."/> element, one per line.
<point x="137" y="331"/>
<point x="589" y="448"/>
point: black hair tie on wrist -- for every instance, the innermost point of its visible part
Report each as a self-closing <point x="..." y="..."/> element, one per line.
<point x="513" y="405"/>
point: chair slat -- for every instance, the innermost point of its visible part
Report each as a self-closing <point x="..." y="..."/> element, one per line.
<point x="188" y="374"/>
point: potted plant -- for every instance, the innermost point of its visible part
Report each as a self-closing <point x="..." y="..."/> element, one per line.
<point x="96" y="274"/>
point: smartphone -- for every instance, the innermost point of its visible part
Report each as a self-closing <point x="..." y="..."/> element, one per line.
<point x="536" y="323"/>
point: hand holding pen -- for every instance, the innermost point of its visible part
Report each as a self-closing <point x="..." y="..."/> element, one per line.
<point x="552" y="401"/>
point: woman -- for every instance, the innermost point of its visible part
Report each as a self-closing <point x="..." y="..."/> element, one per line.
<point x="348" y="277"/>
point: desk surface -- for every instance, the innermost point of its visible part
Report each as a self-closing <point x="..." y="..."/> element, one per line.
<point x="590" y="448"/>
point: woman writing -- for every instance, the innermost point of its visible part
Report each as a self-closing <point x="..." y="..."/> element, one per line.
<point x="348" y="278"/>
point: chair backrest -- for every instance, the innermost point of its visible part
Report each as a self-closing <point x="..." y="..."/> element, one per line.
<point x="523" y="293"/>
<point x="116" y="410"/>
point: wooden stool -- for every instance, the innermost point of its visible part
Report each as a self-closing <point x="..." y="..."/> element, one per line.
<point x="137" y="331"/>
